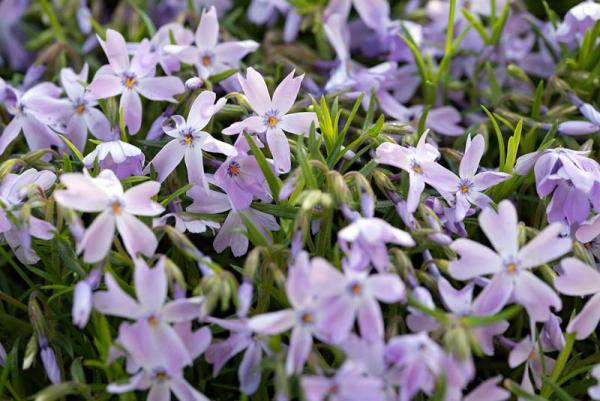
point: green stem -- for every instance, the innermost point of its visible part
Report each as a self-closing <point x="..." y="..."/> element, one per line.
<point x="561" y="361"/>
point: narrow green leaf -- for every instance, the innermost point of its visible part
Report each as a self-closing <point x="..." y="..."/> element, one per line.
<point x="499" y="136"/>
<point x="273" y="182"/>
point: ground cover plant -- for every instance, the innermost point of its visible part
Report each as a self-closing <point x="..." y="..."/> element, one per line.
<point x="343" y="200"/>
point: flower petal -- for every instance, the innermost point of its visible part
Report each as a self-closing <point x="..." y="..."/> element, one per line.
<point x="546" y="246"/>
<point x="286" y="92"/>
<point x="475" y="260"/>
<point x="273" y="322"/>
<point x="132" y="110"/>
<point x="138" y="199"/>
<point x="137" y="237"/>
<point x="256" y="91"/>
<point x="150" y="283"/>
<point x="299" y="123"/>
<point x="96" y="240"/>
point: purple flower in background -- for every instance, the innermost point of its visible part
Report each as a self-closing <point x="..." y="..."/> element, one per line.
<point x="578" y="127"/>
<point x="510" y="265"/>
<point x="131" y="79"/>
<point x="49" y="360"/>
<point x="419" y="163"/>
<point x="189" y="141"/>
<point x="272" y="115"/>
<point x="208" y="55"/>
<point x="578" y="20"/>
<point x="350" y="383"/>
<point x="241" y="339"/>
<point x="579" y="279"/>
<point x="470" y="185"/>
<point x="14" y="191"/>
<point x="82" y="298"/>
<point x="12" y="49"/>
<point x="303" y="316"/>
<point x="2" y="355"/>
<point x="594" y="391"/>
<point x="162" y="40"/>
<point x="262" y="12"/>
<point x="527" y="351"/>
<point x="344" y="297"/>
<point x="489" y="391"/>
<point x="152" y="312"/>
<point x="364" y="240"/>
<point x="117" y="208"/>
<point x="78" y="112"/>
<point x="28" y="110"/>
<point x="122" y="158"/>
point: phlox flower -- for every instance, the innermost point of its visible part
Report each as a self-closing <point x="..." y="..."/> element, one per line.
<point x="117" y="208"/>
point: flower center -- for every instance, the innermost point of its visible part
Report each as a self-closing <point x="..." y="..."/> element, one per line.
<point x="79" y="108"/>
<point x="129" y="81"/>
<point x="152" y="321"/>
<point x="270" y="119"/>
<point x="161" y="375"/>
<point x="511" y="267"/>
<point x="588" y="245"/>
<point x="416" y="167"/>
<point x="116" y="207"/>
<point x="307" y="318"/>
<point x="188" y="138"/>
<point x="334" y="389"/>
<point x="531" y="356"/>
<point x="356" y="289"/>
<point x="233" y="170"/>
<point x="206" y="61"/>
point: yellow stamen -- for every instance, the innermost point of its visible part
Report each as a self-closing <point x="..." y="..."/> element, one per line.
<point x="511" y="267"/>
<point x="80" y="108"/>
<point x="188" y="138"/>
<point x="130" y="82"/>
<point x="272" y="121"/>
<point x="206" y="61"/>
<point x="116" y="207"/>
<point x="334" y="389"/>
<point x="356" y="289"/>
<point x="307" y="318"/>
<point x="531" y="356"/>
<point x="162" y="376"/>
<point x="233" y="169"/>
<point x="464" y="188"/>
<point x="417" y="169"/>
<point x="153" y="321"/>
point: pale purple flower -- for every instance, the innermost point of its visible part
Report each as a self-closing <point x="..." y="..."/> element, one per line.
<point x="162" y="40"/>
<point x="578" y="20"/>
<point x="12" y="49"/>
<point x="579" y="279"/>
<point x="489" y="391"/>
<point x="241" y="177"/>
<point x="28" y="110"/>
<point x="78" y="111"/>
<point x="49" y="360"/>
<point x="527" y="351"/>
<point x="241" y="339"/>
<point x="510" y="266"/>
<point x="272" y="115"/>
<point x="190" y="141"/>
<point x="303" y="317"/>
<point x="82" y="298"/>
<point x="152" y="312"/>
<point x="469" y="184"/>
<point x="155" y="374"/>
<point x="351" y="383"/>
<point x="364" y="240"/>
<point x="122" y="158"/>
<point x="184" y="222"/>
<point x="344" y="297"/>
<point x="2" y="355"/>
<point x="14" y="191"/>
<point x="208" y="55"/>
<point x="419" y="163"/>
<point x="262" y="12"/>
<point x="131" y="79"/>
<point x="117" y="209"/>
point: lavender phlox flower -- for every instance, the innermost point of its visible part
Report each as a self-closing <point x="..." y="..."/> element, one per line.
<point x="350" y="295"/>
<point x="82" y="297"/>
<point x="594" y="391"/>
<point x="117" y="208"/>
<point x="48" y="357"/>
<point x="578" y="21"/>
<point x="189" y="141"/>
<point x="208" y="55"/>
<point x="579" y="279"/>
<point x="581" y="127"/>
<point x="510" y="266"/>
<point x="364" y="240"/>
<point x="184" y="222"/>
<point x="29" y="109"/>
<point x="419" y="163"/>
<point x="527" y="351"/>
<point x="14" y="191"/>
<point x="351" y="383"/>
<point x="122" y="158"/>
<point x="152" y="312"/>
<point x="262" y="12"/>
<point x="303" y="317"/>
<point x="12" y="47"/>
<point x="131" y="78"/>
<point x="469" y="184"/>
<point x="272" y="114"/>
<point x="241" y="339"/>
